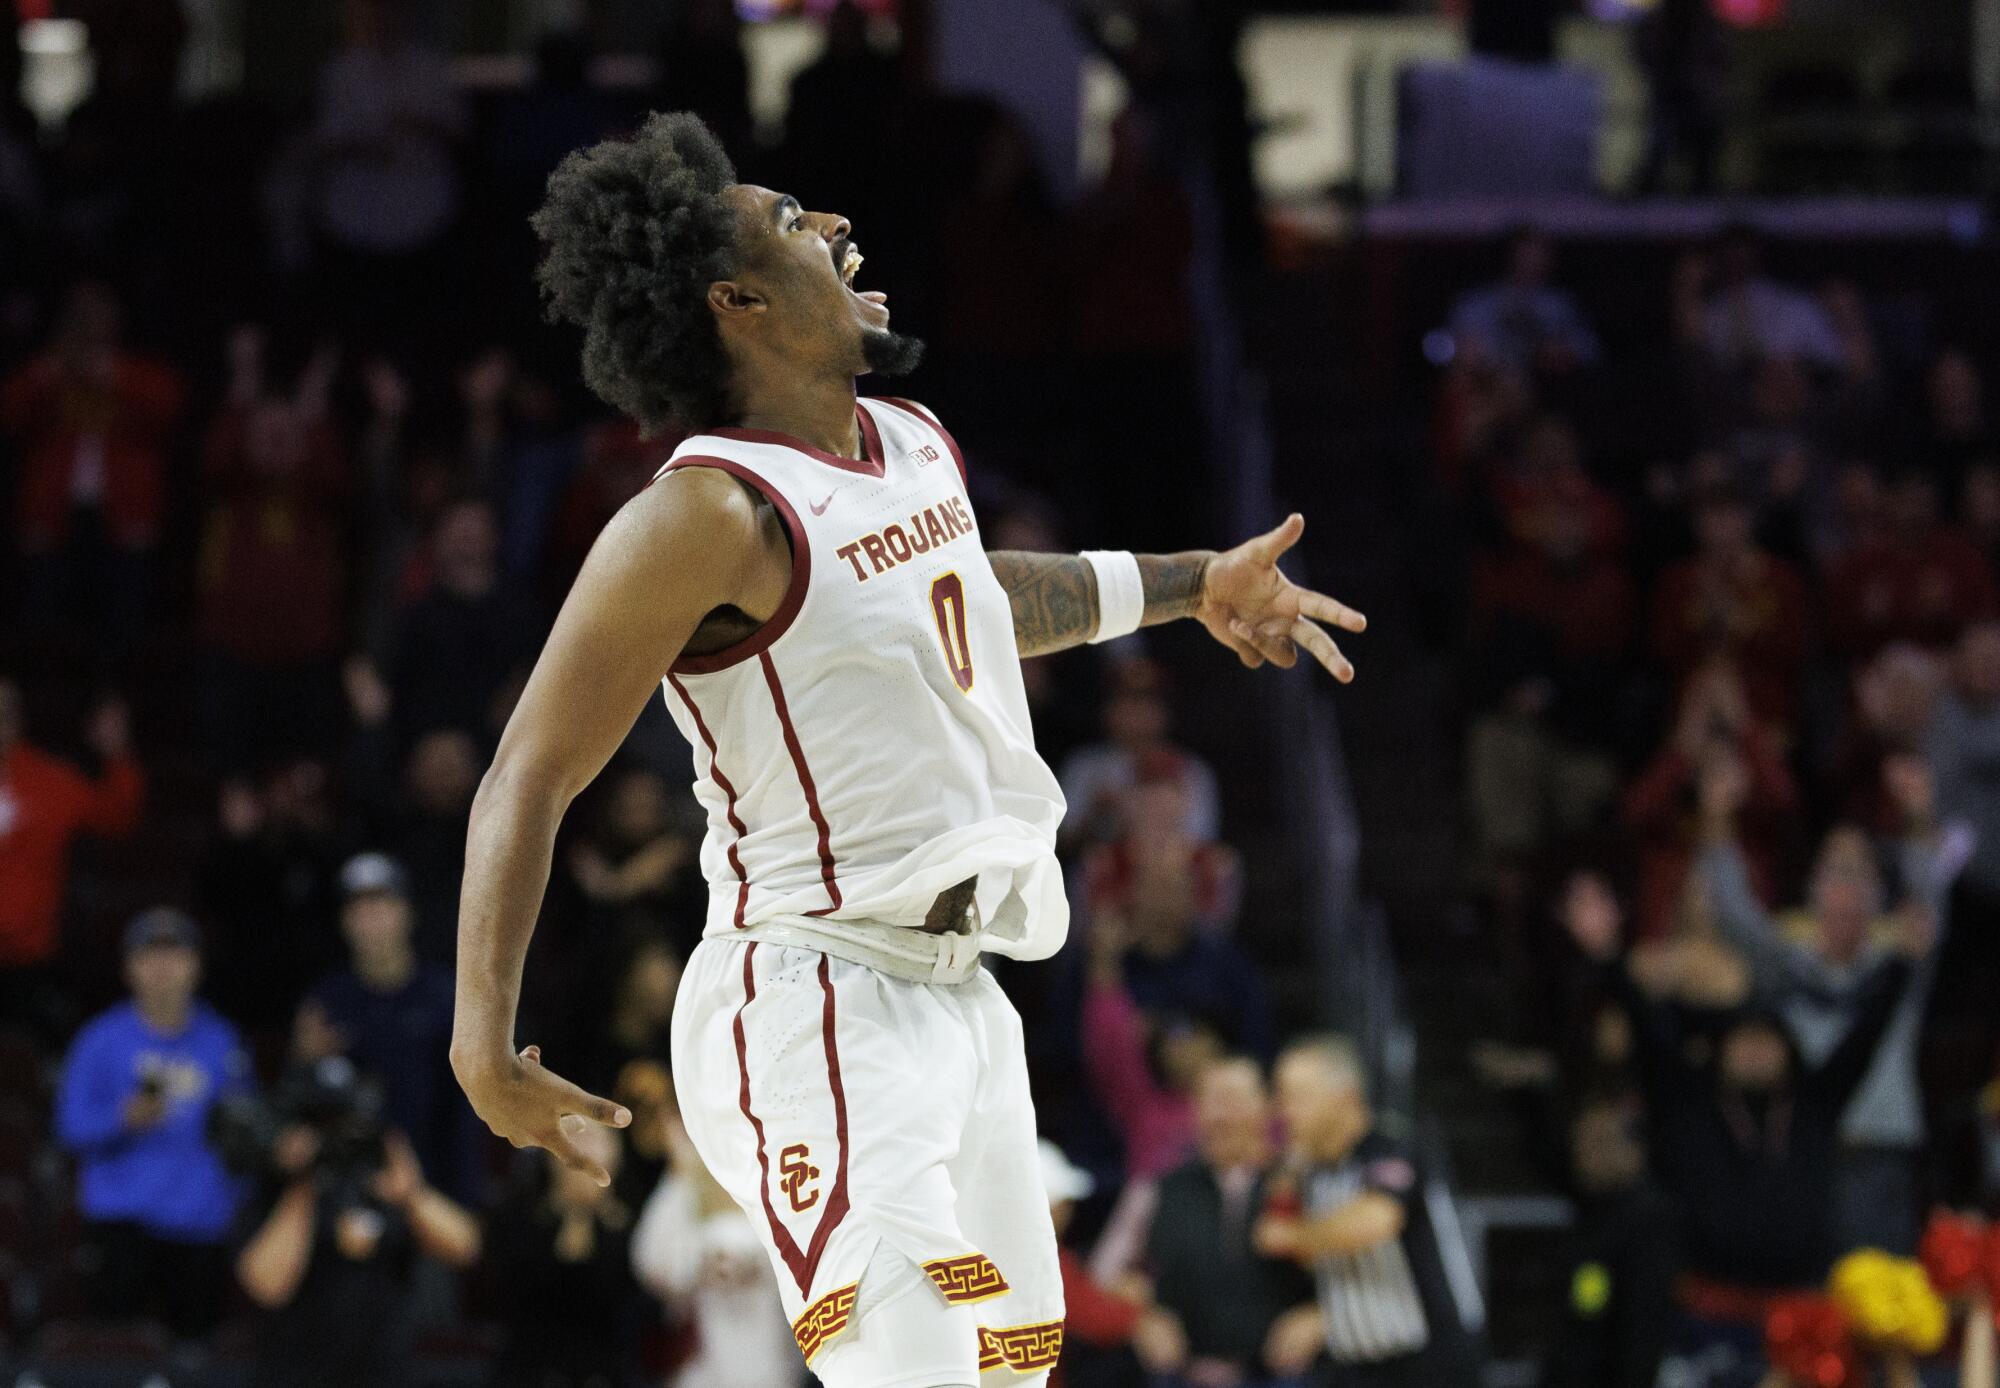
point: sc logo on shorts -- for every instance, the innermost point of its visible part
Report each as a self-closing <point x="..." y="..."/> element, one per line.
<point x="794" y="1171"/>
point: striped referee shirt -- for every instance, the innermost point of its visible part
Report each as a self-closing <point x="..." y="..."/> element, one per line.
<point x="1372" y="1303"/>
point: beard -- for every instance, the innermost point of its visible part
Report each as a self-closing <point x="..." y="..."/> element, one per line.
<point x="890" y="354"/>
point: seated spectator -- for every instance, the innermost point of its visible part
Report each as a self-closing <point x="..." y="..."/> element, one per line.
<point x="45" y="804"/>
<point x="1896" y="697"/>
<point x="1155" y="859"/>
<point x="560" y="1259"/>
<point x="271" y="581"/>
<point x="1731" y="310"/>
<point x="643" y="855"/>
<point x="1955" y="432"/>
<point x="1138" y="728"/>
<point x="331" y="1263"/>
<point x="1734" y="600"/>
<point x="1523" y="321"/>
<point x="1238" y="1316"/>
<point x="697" y="1251"/>
<point x="133" y="1108"/>
<point x="1173" y="968"/>
<point x="1619" y="1260"/>
<point x="273" y="858"/>
<point x="387" y="123"/>
<point x="390" y="1013"/>
<point x="91" y="423"/>
<point x="461" y="652"/>
<point x="1747" y="1135"/>
<point x="1550" y="623"/>
<point x="1716" y="732"/>
<point x="1920" y="580"/>
<point x="1354" y="1211"/>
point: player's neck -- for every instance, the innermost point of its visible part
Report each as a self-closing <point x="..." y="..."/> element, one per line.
<point x="818" y="412"/>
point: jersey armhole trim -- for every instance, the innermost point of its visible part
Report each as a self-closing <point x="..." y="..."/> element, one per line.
<point x="911" y="407"/>
<point x="760" y="640"/>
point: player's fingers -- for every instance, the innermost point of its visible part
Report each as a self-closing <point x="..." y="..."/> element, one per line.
<point x="1322" y="648"/>
<point x="571" y="1098"/>
<point x="1323" y="608"/>
<point x="566" y="1152"/>
<point x="1281" y="537"/>
<point x="1245" y="652"/>
<point x="1272" y="640"/>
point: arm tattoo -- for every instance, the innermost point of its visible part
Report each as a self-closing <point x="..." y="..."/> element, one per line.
<point x="1055" y="595"/>
<point x="1054" y="598"/>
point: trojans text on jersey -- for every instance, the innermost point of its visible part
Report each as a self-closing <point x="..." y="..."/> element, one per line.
<point x="932" y="527"/>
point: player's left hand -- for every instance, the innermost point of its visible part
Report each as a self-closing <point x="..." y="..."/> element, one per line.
<point x="1252" y="608"/>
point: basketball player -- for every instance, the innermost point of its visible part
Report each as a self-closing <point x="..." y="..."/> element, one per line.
<point x="806" y="575"/>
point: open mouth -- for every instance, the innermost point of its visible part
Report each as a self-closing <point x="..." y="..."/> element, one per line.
<point x="849" y="261"/>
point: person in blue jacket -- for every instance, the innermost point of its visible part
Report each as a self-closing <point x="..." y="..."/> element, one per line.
<point x="137" y="1087"/>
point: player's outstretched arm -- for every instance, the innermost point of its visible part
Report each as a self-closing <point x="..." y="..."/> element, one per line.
<point x="676" y="552"/>
<point x="1239" y="594"/>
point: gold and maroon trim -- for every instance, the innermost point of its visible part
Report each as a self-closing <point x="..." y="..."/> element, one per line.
<point x="1022" y="1348"/>
<point x="967" y="1279"/>
<point x="758" y="641"/>
<point x="824" y="1319"/>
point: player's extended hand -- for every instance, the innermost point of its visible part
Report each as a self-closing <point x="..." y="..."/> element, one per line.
<point x="534" y="1107"/>
<point x="1252" y="608"/>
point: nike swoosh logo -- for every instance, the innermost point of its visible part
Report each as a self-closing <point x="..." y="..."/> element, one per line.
<point x="819" y="507"/>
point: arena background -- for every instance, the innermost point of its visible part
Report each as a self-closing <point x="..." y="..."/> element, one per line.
<point x="1632" y="363"/>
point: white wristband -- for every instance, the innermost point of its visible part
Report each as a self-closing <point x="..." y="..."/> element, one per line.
<point x="1121" y="593"/>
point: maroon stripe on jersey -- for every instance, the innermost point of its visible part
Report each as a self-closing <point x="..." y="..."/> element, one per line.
<point x="729" y="809"/>
<point x="826" y="872"/>
<point x="912" y="408"/>
<point x="801" y="1264"/>
<point x="836" y="1201"/>
<point x="758" y="641"/>
<point x="871" y="445"/>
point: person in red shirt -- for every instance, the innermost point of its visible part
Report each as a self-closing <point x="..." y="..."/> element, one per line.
<point x="1717" y="730"/>
<point x="44" y="804"/>
<point x="91" y="422"/>
<point x="1920" y="580"/>
<point x="270" y="575"/>
<point x="1731" y="598"/>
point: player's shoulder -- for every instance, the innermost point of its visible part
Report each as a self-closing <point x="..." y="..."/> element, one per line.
<point x="695" y="494"/>
<point x="908" y="406"/>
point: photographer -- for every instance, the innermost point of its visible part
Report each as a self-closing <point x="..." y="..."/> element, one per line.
<point x="333" y="1259"/>
<point x="136" y="1093"/>
<point x="389" y="1012"/>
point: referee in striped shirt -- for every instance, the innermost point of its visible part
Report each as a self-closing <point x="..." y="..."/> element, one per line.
<point x="1356" y="1219"/>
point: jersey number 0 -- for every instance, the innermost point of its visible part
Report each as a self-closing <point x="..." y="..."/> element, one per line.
<point x="948" y="606"/>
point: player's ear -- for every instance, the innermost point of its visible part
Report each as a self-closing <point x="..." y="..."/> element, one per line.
<point x="730" y="298"/>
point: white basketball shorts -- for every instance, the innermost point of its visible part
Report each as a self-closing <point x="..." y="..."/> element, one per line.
<point x="880" y="1135"/>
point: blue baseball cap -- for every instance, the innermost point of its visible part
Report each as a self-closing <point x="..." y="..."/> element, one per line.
<point x="161" y="927"/>
<point x="369" y="873"/>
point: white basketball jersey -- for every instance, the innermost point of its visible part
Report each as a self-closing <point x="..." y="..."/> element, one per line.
<point x="869" y="746"/>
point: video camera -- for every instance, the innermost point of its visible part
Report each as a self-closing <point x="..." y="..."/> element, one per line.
<point x="343" y="1108"/>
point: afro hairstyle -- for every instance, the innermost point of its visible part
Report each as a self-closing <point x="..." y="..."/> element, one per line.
<point x="636" y="230"/>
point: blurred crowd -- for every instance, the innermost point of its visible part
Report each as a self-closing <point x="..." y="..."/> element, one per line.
<point x="297" y="479"/>
<point x="1730" y="785"/>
